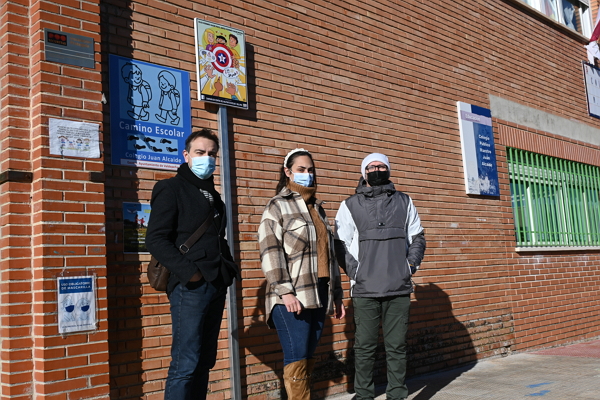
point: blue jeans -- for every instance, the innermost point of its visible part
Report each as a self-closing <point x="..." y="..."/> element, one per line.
<point x="196" y="314"/>
<point x="300" y="334"/>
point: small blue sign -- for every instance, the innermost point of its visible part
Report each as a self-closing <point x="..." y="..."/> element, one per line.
<point x="79" y="285"/>
<point x="478" y="150"/>
<point x="149" y="114"/>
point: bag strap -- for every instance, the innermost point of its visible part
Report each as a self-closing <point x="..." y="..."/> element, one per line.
<point x="184" y="248"/>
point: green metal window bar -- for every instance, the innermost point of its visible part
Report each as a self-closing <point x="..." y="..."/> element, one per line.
<point x="556" y="202"/>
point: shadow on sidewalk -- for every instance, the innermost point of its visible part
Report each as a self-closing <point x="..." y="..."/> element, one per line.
<point x="437" y="341"/>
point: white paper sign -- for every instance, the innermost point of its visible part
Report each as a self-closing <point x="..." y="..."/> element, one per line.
<point x="592" y="88"/>
<point x="74" y="139"/>
<point x="76" y="304"/>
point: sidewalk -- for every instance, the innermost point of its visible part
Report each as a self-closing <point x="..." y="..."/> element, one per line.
<point x="563" y="373"/>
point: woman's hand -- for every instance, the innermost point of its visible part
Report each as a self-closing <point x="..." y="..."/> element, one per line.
<point x="291" y="303"/>
<point x="340" y="311"/>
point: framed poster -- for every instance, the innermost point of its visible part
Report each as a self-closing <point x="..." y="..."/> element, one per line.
<point x="478" y="150"/>
<point x="135" y="223"/>
<point x="150" y="114"/>
<point x="221" y="64"/>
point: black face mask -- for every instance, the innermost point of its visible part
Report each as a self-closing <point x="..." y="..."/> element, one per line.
<point x="378" y="178"/>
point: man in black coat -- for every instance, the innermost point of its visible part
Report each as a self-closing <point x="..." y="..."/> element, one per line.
<point x="196" y="287"/>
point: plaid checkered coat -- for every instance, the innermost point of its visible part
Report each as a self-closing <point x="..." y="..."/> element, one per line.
<point x="288" y="253"/>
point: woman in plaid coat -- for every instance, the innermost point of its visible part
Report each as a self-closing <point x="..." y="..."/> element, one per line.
<point x="303" y="278"/>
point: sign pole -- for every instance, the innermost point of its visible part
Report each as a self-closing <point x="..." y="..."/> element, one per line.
<point x="232" y="320"/>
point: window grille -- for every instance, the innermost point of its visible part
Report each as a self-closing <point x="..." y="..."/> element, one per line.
<point x="555" y="202"/>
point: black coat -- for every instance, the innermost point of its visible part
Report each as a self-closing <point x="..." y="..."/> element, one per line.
<point x="178" y="210"/>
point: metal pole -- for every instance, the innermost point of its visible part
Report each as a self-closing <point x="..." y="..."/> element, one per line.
<point x="232" y="320"/>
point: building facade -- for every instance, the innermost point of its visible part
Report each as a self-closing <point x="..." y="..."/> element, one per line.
<point x="502" y="274"/>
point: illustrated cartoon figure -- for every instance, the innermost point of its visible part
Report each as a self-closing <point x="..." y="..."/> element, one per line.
<point x="221" y="39"/>
<point x="83" y="311"/>
<point x="218" y="87"/>
<point x="63" y="143"/>
<point x="68" y="315"/>
<point x="140" y="92"/>
<point x="232" y="90"/>
<point x="169" y="98"/>
<point x="79" y="144"/>
<point x="211" y="77"/>
<point x="209" y="39"/>
<point x="233" y="42"/>
<point x="86" y="144"/>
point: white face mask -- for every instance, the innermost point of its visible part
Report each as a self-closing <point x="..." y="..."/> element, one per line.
<point x="304" y="179"/>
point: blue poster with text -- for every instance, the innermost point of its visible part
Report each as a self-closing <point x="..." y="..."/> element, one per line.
<point x="478" y="150"/>
<point x="76" y="304"/>
<point x="149" y="114"/>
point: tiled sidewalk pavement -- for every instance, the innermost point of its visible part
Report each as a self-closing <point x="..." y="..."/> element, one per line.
<point x="563" y="373"/>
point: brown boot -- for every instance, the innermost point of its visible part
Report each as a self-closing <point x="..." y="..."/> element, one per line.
<point x="295" y="378"/>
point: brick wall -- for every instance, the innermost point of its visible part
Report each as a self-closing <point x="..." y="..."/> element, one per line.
<point x="15" y="207"/>
<point x="52" y="223"/>
<point x="554" y="296"/>
<point x="340" y="79"/>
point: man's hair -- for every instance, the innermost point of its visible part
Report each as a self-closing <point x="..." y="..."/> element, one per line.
<point x="203" y="133"/>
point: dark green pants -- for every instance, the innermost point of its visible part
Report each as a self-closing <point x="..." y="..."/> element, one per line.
<point x="393" y="313"/>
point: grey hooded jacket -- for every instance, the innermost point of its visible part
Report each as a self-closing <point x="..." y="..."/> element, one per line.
<point x="378" y="238"/>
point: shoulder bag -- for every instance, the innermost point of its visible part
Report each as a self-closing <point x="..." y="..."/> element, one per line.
<point x="158" y="274"/>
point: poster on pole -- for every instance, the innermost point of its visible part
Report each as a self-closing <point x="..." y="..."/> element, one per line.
<point x="76" y="304"/>
<point x="478" y="150"/>
<point x="221" y="64"/>
<point x="591" y="76"/>
<point x="74" y="138"/>
<point x="135" y="223"/>
<point x="150" y="114"/>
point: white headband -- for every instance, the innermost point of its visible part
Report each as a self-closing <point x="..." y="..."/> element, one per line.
<point x="285" y="160"/>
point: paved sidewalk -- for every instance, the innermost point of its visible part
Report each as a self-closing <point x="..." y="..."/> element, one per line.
<point x="563" y="373"/>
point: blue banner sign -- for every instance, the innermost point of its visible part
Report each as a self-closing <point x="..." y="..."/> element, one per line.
<point x="478" y="150"/>
<point x="149" y="114"/>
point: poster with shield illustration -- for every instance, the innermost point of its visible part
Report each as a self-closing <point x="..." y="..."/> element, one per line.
<point x="76" y="304"/>
<point x="150" y="115"/>
<point x="221" y="64"/>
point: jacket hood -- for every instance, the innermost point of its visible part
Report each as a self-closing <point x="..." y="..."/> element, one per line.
<point x="372" y="191"/>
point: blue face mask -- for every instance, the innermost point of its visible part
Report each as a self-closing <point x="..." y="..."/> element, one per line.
<point x="203" y="167"/>
<point x="304" y="178"/>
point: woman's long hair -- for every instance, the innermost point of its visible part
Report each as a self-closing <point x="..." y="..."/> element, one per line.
<point x="283" y="179"/>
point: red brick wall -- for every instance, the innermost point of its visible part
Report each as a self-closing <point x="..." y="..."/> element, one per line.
<point x="55" y="223"/>
<point x="15" y="208"/>
<point x="554" y="294"/>
<point x="340" y="79"/>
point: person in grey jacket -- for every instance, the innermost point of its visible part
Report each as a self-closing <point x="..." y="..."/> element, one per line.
<point x="380" y="244"/>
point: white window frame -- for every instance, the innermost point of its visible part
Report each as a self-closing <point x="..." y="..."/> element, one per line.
<point x="584" y="14"/>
